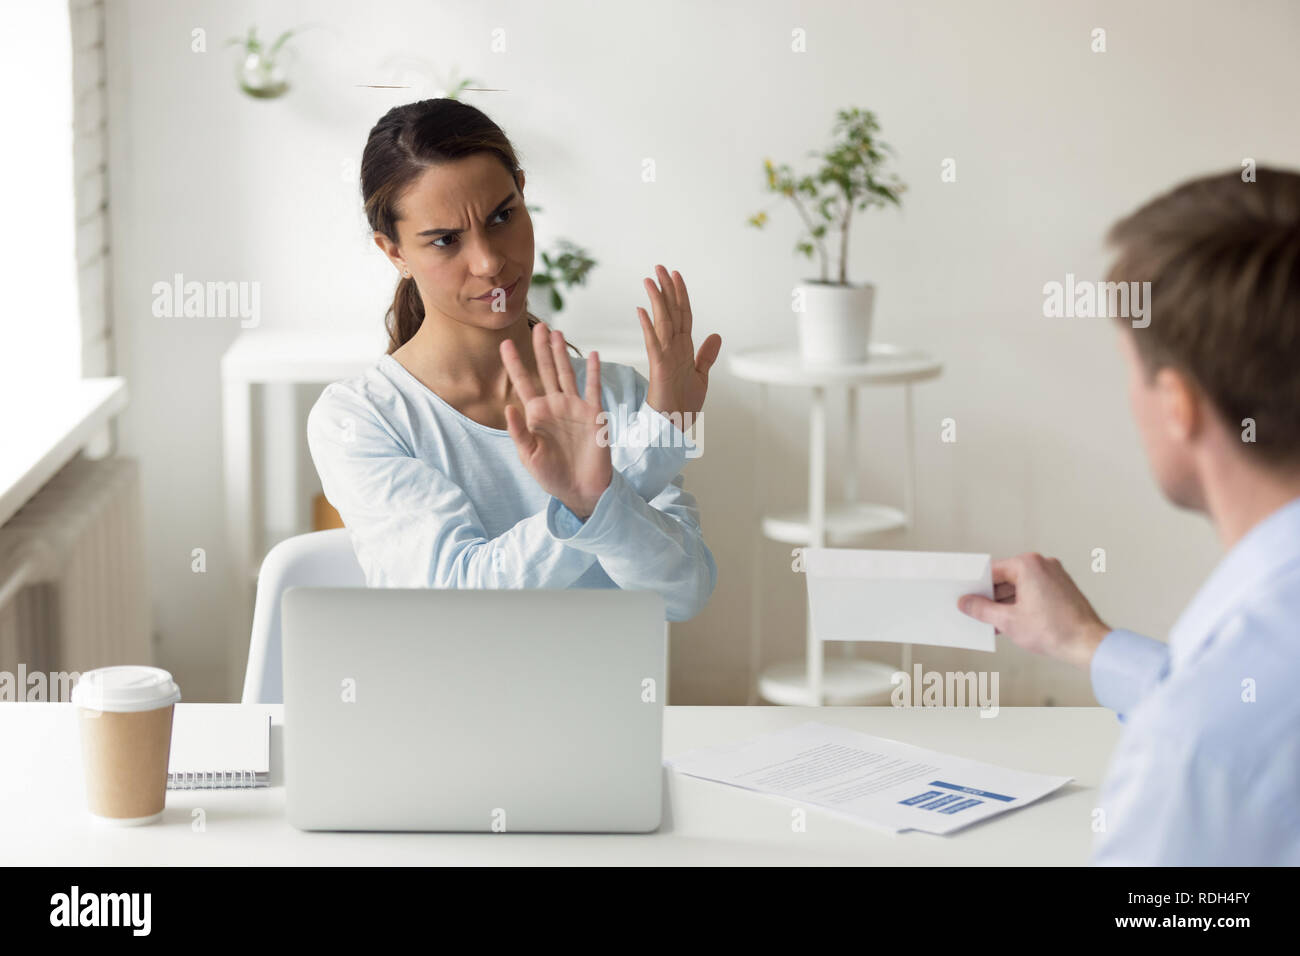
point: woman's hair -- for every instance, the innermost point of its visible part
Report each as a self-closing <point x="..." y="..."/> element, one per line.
<point x="405" y="142"/>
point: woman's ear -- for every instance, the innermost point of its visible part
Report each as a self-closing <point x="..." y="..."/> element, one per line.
<point x="390" y="249"/>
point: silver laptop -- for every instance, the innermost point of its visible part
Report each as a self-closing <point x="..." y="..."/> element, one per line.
<point x="487" y="710"/>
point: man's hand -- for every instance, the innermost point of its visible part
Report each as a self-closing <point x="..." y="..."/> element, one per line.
<point x="1038" y="606"/>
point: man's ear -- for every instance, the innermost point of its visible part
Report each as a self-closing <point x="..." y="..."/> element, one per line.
<point x="1180" y="402"/>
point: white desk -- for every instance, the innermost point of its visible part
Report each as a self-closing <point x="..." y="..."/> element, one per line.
<point x="43" y="820"/>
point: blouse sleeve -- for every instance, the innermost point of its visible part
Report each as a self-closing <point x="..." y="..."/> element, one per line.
<point x="652" y="546"/>
<point x="652" y="448"/>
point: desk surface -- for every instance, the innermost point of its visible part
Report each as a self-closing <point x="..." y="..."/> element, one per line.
<point x="43" y="820"/>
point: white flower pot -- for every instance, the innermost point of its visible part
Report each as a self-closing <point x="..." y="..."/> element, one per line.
<point x="835" y="324"/>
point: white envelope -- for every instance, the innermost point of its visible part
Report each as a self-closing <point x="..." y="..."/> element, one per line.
<point x="909" y="597"/>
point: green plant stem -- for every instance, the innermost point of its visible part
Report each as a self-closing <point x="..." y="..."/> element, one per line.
<point x="821" y="249"/>
<point x="844" y="242"/>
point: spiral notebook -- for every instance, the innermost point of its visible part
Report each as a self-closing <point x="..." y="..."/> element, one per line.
<point x="219" y="747"/>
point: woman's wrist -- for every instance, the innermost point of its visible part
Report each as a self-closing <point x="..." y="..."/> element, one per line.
<point x="583" y="505"/>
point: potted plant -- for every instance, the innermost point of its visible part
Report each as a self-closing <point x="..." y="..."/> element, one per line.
<point x="834" y="316"/>
<point x="566" y="265"/>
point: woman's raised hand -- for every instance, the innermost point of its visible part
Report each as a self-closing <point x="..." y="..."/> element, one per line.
<point x="557" y="434"/>
<point x="679" y="377"/>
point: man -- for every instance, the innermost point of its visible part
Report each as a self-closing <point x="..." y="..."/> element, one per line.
<point x="1207" y="769"/>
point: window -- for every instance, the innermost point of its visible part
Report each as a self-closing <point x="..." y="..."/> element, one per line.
<point x="40" y="327"/>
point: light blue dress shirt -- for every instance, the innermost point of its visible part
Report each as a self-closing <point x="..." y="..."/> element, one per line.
<point x="433" y="498"/>
<point x="1207" y="769"/>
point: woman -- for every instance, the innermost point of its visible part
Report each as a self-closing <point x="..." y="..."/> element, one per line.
<point x="465" y="458"/>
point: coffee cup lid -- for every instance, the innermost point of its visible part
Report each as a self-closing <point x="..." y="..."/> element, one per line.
<point x="127" y="687"/>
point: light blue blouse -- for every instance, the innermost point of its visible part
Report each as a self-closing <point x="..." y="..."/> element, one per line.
<point x="433" y="498"/>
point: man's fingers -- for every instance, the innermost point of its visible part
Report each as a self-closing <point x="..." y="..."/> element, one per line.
<point x="1004" y="590"/>
<point x="982" y="609"/>
<point x="1007" y="569"/>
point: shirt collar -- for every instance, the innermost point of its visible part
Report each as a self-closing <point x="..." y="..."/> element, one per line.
<point x="1265" y="549"/>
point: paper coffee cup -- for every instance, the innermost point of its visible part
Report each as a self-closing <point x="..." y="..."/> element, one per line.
<point x="125" y="715"/>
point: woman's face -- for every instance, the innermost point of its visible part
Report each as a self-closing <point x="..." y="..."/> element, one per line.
<point x="467" y="239"/>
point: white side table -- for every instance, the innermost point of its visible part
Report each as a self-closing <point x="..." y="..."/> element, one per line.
<point x="277" y="359"/>
<point x="849" y="680"/>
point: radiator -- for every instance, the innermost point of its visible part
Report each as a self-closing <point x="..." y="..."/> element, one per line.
<point x="73" y="586"/>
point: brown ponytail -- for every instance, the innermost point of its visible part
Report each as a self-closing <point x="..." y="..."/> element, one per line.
<point x="405" y="142"/>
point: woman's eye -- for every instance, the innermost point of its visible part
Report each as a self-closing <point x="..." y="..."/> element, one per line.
<point x="438" y="242"/>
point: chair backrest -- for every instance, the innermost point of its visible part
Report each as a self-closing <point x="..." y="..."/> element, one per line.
<point x="320" y="559"/>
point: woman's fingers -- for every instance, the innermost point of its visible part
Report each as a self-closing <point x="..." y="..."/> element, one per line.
<point x="545" y="361"/>
<point x="568" y="383"/>
<point x="525" y="441"/>
<point x="683" y="303"/>
<point x="669" y="289"/>
<point x="515" y="369"/>
<point x="663" y="319"/>
<point x="652" y="346"/>
<point x="708" y="353"/>
<point x="593" y="379"/>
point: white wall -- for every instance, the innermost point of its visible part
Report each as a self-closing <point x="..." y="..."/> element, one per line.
<point x="1052" y="143"/>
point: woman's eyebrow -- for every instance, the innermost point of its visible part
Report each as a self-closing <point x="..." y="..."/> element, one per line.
<point x="442" y="232"/>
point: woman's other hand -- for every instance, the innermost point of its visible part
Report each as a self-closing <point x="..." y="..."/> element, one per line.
<point x="557" y="434"/>
<point x="679" y="377"/>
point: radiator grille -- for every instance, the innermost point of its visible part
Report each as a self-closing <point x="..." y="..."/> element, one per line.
<point x="79" y="543"/>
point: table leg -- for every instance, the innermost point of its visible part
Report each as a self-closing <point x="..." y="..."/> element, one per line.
<point x="851" y="448"/>
<point x="909" y="491"/>
<point x="909" y="458"/>
<point x="237" y="436"/>
<point x="816" y="525"/>
<point x="756" y="581"/>
<point x="850" y="472"/>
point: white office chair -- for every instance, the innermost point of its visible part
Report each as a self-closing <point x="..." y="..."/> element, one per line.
<point x="319" y="559"/>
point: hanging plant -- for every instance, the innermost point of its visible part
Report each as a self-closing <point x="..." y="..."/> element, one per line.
<point x="263" y="71"/>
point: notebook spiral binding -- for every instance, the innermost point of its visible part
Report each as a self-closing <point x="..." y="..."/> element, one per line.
<point x="217" y="780"/>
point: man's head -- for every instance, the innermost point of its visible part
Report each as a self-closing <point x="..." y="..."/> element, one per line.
<point x="1215" y="376"/>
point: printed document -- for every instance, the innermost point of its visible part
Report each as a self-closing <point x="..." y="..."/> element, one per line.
<point x="873" y="780"/>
